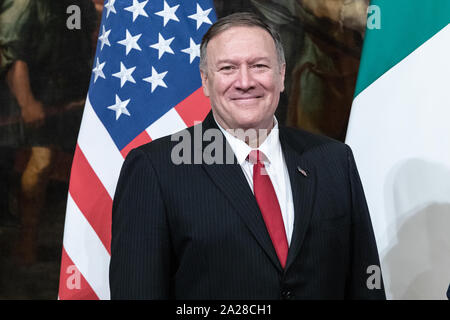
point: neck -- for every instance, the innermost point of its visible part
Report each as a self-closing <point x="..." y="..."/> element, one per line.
<point x="251" y="136"/>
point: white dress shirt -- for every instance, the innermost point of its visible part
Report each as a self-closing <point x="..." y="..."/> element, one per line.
<point x="276" y="168"/>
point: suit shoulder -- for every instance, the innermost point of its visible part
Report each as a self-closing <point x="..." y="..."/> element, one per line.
<point x="309" y="142"/>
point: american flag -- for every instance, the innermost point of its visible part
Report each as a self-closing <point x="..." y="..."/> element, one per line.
<point x="145" y="84"/>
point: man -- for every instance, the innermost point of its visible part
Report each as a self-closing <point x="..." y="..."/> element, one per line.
<point x="287" y="219"/>
<point x="45" y="67"/>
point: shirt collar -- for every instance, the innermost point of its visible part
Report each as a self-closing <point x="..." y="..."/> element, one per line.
<point x="241" y="150"/>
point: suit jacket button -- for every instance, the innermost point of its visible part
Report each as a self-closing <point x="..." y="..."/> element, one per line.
<point x="286" y="295"/>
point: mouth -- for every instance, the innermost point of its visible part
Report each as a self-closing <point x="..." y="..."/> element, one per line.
<point x="246" y="98"/>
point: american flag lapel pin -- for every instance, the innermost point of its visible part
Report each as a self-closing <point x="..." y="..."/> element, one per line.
<point x="303" y="172"/>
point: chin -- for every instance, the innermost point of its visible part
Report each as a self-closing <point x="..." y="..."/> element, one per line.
<point x="250" y="122"/>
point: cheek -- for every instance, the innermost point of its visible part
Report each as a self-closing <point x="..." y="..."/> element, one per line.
<point x="270" y="82"/>
<point x="274" y="88"/>
<point x="221" y="90"/>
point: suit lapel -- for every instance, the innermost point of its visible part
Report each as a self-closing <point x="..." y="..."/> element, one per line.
<point x="230" y="179"/>
<point x="303" y="183"/>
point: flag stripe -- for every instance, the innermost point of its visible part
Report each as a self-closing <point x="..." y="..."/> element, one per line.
<point x="99" y="149"/>
<point x="91" y="197"/>
<point x="194" y="108"/>
<point x="82" y="245"/>
<point x="138" y="141"/>
<point x="169" y="123"/>
<point x="72" y="284"/>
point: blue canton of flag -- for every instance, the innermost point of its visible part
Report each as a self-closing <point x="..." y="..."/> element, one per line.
<point x="146" y="62"/>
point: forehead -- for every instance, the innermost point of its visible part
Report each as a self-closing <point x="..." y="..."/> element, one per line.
<point x="242" y="41"/>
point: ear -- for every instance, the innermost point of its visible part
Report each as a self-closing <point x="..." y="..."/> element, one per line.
<point x="282" y="75"/>
<point x="204" y="76"/>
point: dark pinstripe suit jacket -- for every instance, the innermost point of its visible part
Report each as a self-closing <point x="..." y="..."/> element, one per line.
<point x="194" y="231"/>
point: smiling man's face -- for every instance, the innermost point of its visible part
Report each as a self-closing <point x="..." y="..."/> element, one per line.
<point x="243" y="78"/>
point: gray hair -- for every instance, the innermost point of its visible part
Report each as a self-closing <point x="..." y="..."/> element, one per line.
<point x="237" y="20"/>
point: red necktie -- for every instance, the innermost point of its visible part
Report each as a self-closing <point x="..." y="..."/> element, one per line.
<point x="268" y="204"/>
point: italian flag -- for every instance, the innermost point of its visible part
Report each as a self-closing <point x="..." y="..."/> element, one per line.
<point x="399" y="130"/>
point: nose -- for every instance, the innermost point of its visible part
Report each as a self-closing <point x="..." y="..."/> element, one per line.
<point x="245" y="80"/>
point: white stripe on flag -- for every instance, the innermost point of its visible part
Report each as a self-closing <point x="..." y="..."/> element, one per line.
<point x="99" y="149"/>
<point x="86" y="250"/>
<point x="168" y="124"/>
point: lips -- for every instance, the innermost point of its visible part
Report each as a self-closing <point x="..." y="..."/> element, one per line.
<point x="246" y="98"/>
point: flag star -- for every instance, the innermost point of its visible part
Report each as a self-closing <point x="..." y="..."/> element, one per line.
<point x="193" y="50"/>
<point x="124" y="75"/>
<point x="137" y="9"/>
<point x="104" y="38"/>
<point x="98" y="70"/>
<point x="120" y="107"/>
<point x="201" y="16"/>
<point x="168" y="13"/>
<point x="162" y="45"/>
<point x="110" y="7"/>
<point x="156" y="79"/>
<point x="130" y="42"/>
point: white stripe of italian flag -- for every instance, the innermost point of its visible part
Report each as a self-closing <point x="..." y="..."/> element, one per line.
<point x="399" y="131"/>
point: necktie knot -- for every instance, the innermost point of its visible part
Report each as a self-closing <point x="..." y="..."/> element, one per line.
<point x="256" y="156"/>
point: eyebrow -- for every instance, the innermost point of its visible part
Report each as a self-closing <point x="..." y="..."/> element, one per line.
<point x="257" y="59"/>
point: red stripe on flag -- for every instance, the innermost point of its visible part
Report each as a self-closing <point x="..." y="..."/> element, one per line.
<point x="194" y="108"/>
<point x="91" y="197"/>
<point x="141" y="139"/>
<point x="72" y="284"/>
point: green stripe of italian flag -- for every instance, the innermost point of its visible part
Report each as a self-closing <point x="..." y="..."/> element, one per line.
<point x="399" y="130"/>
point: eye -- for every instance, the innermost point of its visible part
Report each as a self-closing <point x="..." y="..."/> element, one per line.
<point x="259" y="66"/>
<point x="227" y="68"/>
